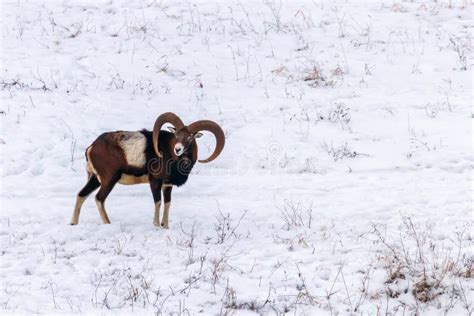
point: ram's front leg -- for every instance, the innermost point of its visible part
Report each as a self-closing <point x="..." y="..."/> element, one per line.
<point x="167" y="197"/>
<point x="155" y="186"/>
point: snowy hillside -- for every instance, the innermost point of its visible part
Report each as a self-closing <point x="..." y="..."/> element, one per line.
<point x="345" y="186"/>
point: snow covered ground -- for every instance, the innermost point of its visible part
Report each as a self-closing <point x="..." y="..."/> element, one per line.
<point x="345" y="186"/>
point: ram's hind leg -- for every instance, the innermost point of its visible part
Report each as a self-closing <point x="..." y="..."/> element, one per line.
<point x="167" y="197"/>
<point x="105" y="188"/>
<point x="91" y="185"/>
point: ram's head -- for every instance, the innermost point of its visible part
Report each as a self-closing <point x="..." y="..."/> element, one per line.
<point x="185" y="136"/>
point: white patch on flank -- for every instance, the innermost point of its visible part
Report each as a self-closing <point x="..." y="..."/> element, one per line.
<point x="133" y="145"/>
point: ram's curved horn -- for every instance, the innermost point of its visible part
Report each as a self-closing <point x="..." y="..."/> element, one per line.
<point x="215" y="129"/>
<point x="164" y="118"/>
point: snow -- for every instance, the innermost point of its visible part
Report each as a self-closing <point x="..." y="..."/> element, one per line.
<point x="345" y="181"/>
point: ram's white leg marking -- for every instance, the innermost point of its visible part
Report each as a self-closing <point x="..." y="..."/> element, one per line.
<point x="156" y="220"/>
<point x="77" y="209"/>
<point x="166" y="212"/>
<point x="102" y="212"/>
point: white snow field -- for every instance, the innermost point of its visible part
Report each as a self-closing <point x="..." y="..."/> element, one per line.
<point x="345" y="187"/>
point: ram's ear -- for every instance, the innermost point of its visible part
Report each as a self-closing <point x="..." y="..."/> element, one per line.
<point x="172" y="129"/>
<point x="197" y="135"/>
